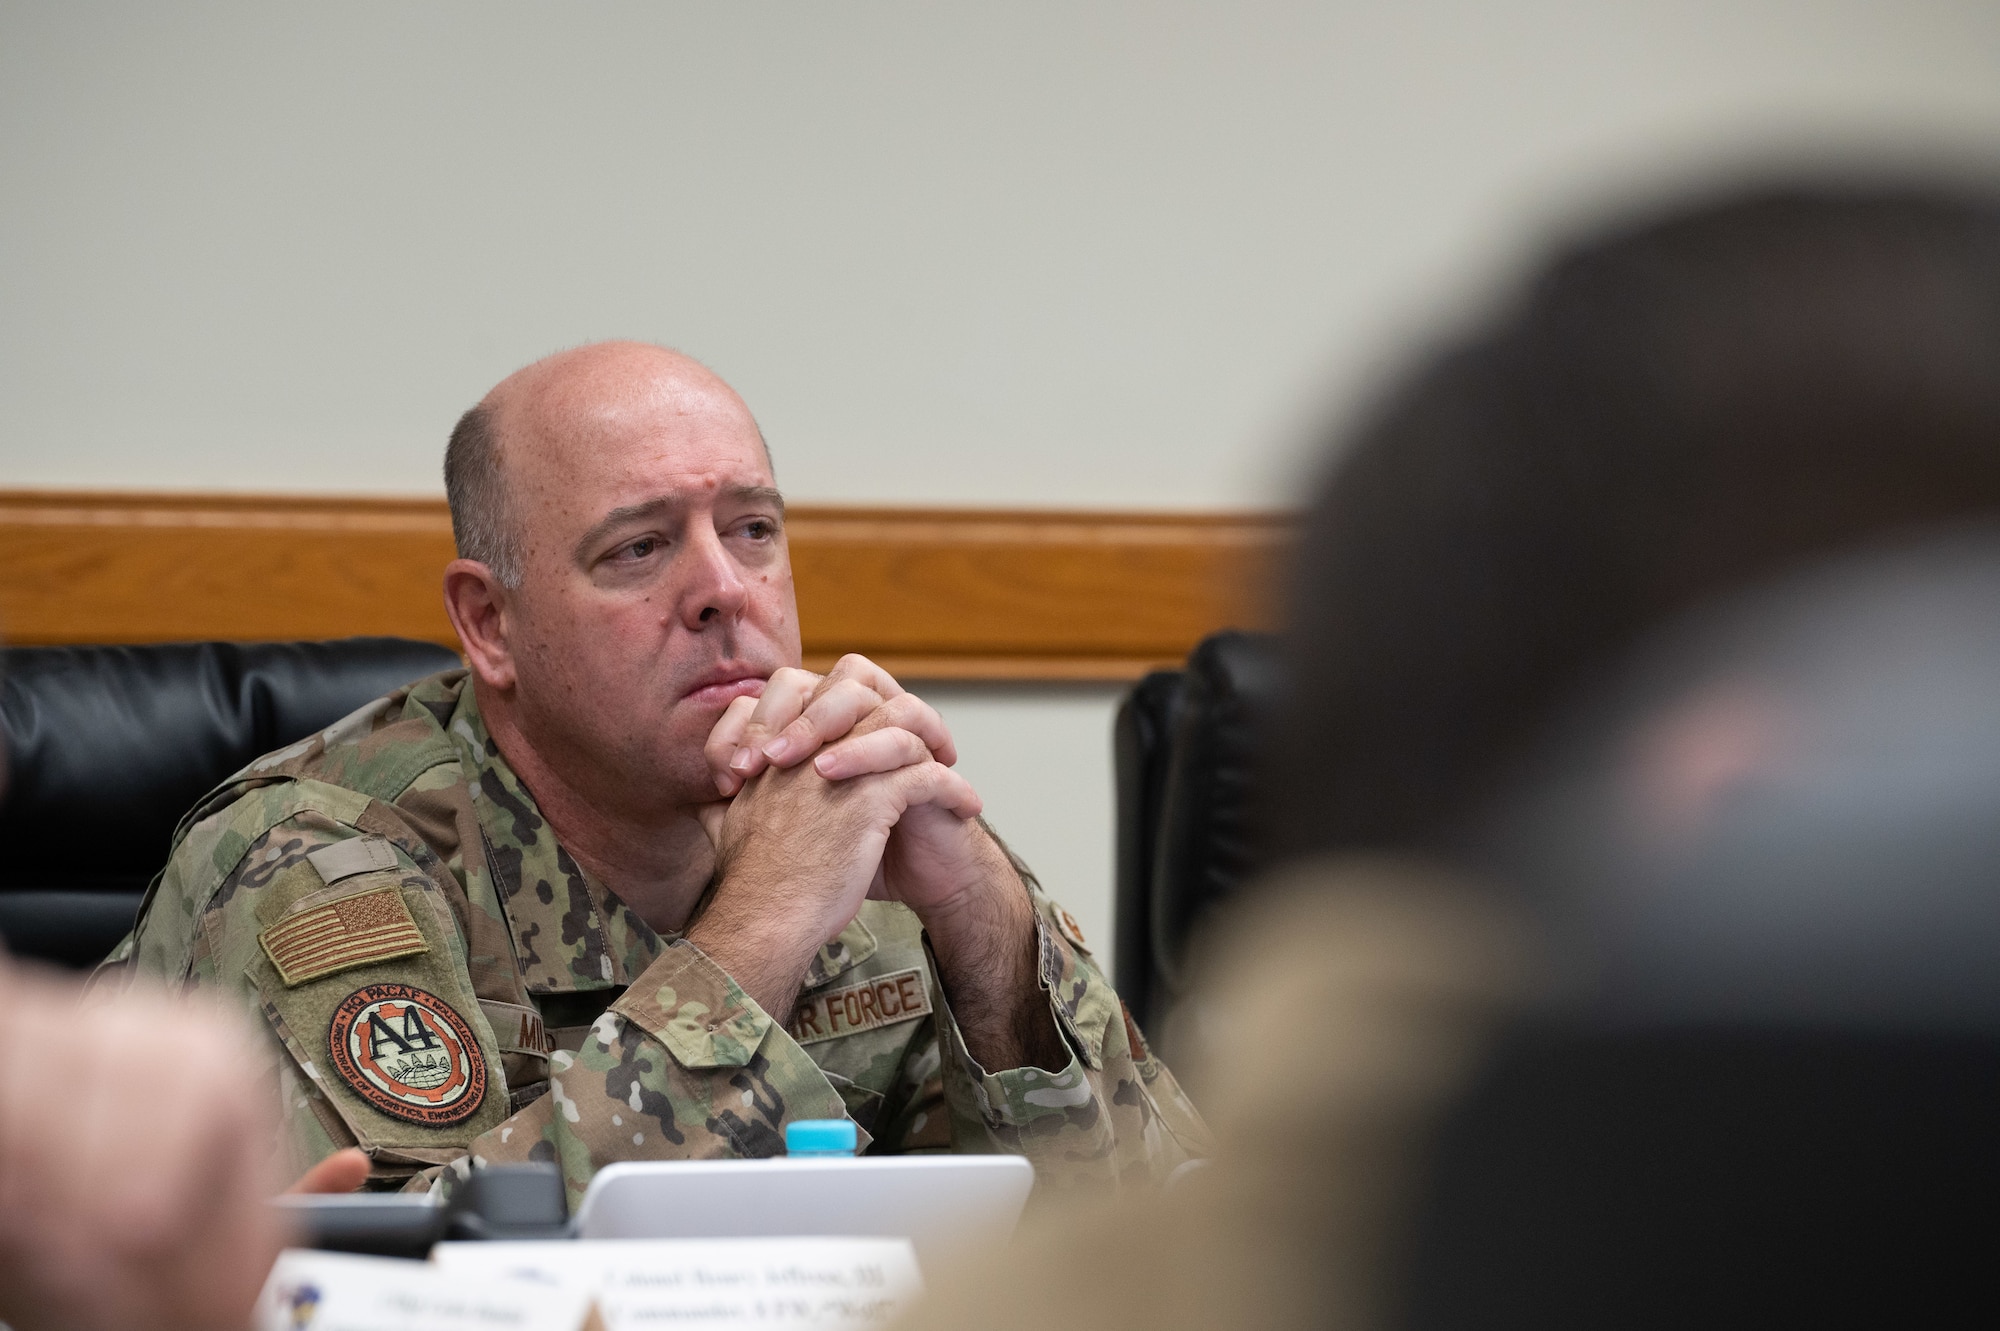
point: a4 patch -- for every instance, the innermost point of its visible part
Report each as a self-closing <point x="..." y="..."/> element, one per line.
<point x="408" y="1054"/>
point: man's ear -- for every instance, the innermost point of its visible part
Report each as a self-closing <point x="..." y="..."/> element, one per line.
<point x="481" y="612"/>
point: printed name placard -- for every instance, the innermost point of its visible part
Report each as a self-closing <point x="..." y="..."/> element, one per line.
<point x="833" y="1283"/>
<point x="332" y="1291"/>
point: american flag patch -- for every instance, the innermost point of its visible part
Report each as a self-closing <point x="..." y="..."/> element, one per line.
<point x="353" y="931"/>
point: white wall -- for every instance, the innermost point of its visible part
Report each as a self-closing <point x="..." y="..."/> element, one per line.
<point x="1040" y="757"/>
<point x="1037" y="253"/>
<point x="1033" y="253"/>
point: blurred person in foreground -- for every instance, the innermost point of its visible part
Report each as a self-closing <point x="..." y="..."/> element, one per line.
<point x="135" y="1166"/>
<point x="135" y="1159"/>
<point x="1619" y="1015"/>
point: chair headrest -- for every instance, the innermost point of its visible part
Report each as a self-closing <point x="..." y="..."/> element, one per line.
<point x="1205" y="838"/>
<point x="108" y="746"/>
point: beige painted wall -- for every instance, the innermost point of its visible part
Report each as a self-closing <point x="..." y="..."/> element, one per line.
<point x="1040" y="756"/>
<point x="1032" y="253"/>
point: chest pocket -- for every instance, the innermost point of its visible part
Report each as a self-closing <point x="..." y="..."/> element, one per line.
<point x="867" y="1001"/>
<point x="864" y="1005"/>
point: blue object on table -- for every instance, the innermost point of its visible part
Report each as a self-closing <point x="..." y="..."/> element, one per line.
<point x="821" y="1136"/>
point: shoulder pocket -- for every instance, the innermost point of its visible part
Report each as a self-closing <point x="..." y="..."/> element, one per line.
<point x="363" y="990"/>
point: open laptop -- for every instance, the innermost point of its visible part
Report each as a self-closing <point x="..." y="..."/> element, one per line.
<point x="948" y="1206"/>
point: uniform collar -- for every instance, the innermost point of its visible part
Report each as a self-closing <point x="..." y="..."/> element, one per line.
<point x="570" y="933"/>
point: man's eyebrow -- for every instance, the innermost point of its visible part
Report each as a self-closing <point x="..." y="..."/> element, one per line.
<point x="652" y="508"/>
<point x="617" y="518"/>
<point x="759" y="494"/>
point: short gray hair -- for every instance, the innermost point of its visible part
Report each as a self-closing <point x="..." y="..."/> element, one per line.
<point x="480" y="523"/>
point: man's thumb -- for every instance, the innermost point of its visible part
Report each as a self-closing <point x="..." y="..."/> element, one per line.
<point x="343" y="1171"/>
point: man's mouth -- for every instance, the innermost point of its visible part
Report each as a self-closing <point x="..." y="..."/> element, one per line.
<point x="719" y="688"/>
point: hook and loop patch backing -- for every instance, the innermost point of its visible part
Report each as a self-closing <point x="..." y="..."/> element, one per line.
<point x="366" y="926"/>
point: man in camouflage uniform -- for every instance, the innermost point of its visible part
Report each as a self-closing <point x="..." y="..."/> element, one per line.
<point x="503" y="915"/>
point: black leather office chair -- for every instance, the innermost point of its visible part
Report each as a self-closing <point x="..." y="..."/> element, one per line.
<point x="1185" y="744"/>
<point x="108" y="746"/>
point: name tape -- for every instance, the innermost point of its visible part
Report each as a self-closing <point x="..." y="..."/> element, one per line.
<point x="851" y="1009"/>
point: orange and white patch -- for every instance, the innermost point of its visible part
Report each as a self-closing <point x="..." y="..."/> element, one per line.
<point x="1070" y="929"/>
<point x="408" y="1054"/>
<point x="851" y="1009"/>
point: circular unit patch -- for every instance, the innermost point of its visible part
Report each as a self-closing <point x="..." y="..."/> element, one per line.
<point x="406" y="1052"/>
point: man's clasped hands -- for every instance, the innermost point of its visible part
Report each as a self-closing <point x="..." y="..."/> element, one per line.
<point x="876" y="812"/>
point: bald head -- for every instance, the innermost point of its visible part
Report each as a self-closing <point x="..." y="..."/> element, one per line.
<point x="546" y="416"/>
<point x="622" y="555"/>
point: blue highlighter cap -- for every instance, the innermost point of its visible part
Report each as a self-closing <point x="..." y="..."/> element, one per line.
<point x="821" y="1136"/>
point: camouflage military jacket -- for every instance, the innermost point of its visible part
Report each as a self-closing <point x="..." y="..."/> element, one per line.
<point x="444" y="985"/>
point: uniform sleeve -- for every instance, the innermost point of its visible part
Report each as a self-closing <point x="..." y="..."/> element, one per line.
<point x="1114" y="1115"/>
<point x="339" y="941"/>
<point x="685" y="1065"/>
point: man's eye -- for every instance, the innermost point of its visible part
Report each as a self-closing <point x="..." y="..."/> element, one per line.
<point x="760" y="529"/>
<point x="639" y="549"/>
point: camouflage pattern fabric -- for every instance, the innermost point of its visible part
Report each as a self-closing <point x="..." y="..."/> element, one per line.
<point x="444" y="986"/>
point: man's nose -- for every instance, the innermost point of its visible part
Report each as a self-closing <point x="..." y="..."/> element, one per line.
<point x="715" y="592"/>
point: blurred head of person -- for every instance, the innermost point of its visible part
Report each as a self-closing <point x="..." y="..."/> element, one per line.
<point x="1758" y="1075"/>
<point x="1634" y="816"/>
<point x="1671" y="410"/>
<point x="1551" y="637"/>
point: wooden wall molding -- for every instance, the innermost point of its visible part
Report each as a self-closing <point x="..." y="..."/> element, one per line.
<point x="930" y="593"/>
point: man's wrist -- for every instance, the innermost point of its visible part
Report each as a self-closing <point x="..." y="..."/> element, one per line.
<point x="987" y="948"/>
<point x="981" y="919"/>
<point x="762" y="951"/>
<point x="982" y="932"/>
<point x="767" y="978"/>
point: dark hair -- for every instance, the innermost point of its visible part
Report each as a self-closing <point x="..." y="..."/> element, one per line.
<point x="1671" y="410"/>
<point x="480" y="522"/>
